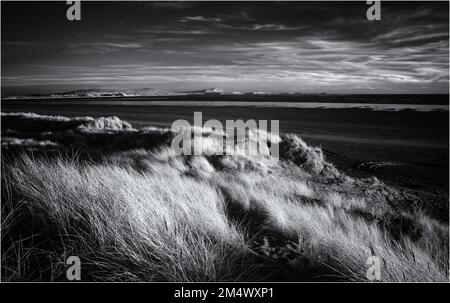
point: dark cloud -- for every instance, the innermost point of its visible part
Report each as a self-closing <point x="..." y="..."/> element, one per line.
<point x="277" y="46"/>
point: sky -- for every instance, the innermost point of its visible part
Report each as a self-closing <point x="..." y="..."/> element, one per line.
<point x="307" y="47"/>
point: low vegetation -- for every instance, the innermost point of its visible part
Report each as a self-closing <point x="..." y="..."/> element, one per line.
<point x="122" y="201"/>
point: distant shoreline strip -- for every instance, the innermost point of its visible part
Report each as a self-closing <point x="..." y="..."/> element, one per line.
<point x="304" y="105"/>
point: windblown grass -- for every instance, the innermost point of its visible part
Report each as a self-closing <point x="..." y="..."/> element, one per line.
<point x="148" y="215"/>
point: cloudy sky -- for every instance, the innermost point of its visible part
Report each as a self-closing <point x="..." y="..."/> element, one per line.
<point x="237" y="46"/>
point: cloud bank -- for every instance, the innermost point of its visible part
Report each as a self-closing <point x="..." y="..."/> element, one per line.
<point x="300" y="46"/>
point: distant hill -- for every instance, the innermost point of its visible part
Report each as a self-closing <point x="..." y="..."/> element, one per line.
<point x="143" y="92"/>
<point x="212" y="91"/>
<point x="219" y="91"/>
<point x="94" y="93"/>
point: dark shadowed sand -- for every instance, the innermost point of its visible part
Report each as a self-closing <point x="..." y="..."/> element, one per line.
<point x="407" y="148"/>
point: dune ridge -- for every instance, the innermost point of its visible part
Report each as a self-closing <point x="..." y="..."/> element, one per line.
<point x="121" y="200"/>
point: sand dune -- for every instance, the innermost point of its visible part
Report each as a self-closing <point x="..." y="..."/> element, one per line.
<point x="119" y="198"/>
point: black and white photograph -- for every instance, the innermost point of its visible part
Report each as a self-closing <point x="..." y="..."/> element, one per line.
<point x="225" y="141"/>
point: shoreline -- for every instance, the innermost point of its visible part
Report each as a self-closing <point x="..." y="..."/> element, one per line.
<point x="265" y="104"/>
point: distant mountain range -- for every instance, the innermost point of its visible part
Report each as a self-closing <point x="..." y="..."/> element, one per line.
<point x="93" y="93"/>
<point x="143" y="92"/>
<point x="118" y="93"/>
